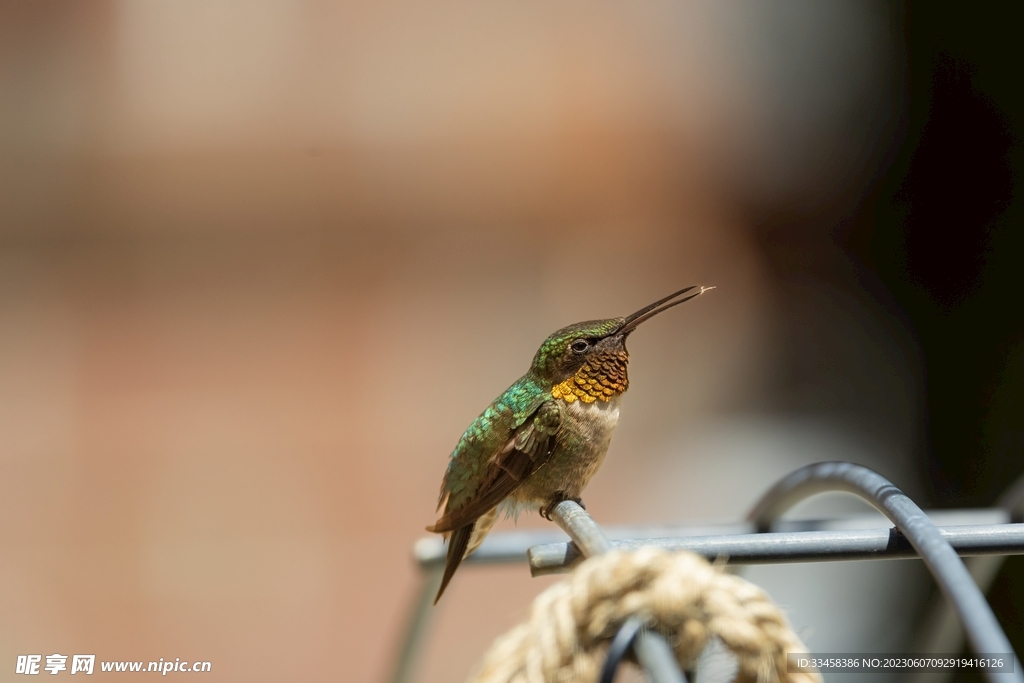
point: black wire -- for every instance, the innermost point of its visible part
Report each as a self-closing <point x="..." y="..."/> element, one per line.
<point x="983" y="630"/>
<point x="621" y="644"/>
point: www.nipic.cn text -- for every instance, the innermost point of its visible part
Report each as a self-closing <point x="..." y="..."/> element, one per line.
<point x="33" y="665"/>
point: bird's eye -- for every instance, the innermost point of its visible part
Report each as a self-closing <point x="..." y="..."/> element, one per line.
<point x="580" y="345"/>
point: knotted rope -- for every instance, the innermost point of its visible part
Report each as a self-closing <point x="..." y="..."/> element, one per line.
<point x="678" y="594"/>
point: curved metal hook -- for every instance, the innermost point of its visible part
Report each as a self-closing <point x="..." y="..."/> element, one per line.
<point x="983" y="630"/>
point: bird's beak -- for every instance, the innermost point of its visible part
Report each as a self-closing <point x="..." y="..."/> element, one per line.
<point x="631" y="322"/>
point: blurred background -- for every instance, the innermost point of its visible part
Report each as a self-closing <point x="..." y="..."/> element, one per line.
<point x="262" y="262"/>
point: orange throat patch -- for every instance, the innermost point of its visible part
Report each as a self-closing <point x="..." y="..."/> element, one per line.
<point x="598" y="380"/>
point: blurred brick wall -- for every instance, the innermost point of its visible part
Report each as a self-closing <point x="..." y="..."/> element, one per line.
<point x="261" y="265"/>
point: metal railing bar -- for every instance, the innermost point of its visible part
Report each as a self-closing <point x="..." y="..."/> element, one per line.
<point x="983" y="630"/>
<point x="511" y="546"/>
<point x="417" y="628"/>
<point x="799" y="546"/>
<point x="553" y="554"/>
<point x="653" y="653"/>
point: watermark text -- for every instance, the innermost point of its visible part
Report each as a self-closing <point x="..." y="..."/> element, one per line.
<point x="32" y="665"/>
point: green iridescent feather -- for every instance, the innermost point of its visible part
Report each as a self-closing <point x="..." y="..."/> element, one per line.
<point x="487" y="435"/>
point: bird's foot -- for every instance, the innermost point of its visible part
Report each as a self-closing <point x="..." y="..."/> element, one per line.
<point x="559" y="497"/>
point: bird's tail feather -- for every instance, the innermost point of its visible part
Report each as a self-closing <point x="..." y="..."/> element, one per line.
<point x="462" y="542"/>
<point x="480" y="530"/>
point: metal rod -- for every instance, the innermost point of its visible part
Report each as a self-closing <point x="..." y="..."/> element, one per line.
<point x="656" y="657"/>
<point x="940" y="630"/>
<point x="653" y="653"/>
<point x="418" y="625"/>
<point x="954" y="580"/>
<point x="581" y="527"/>
<point x="512" y="546"/>
<point x="799" y="546"/>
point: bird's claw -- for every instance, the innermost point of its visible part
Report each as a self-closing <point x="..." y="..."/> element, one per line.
<point x="548" y="509"/>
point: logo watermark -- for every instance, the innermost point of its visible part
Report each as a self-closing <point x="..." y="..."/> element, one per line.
<point x="32" y="665"/>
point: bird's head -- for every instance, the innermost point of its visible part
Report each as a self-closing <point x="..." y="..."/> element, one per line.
<point x="588" y="360"/>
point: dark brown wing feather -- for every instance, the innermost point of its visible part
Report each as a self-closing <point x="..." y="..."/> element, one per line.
<point x="504" y="476"/>
<point x="526" y="451"/>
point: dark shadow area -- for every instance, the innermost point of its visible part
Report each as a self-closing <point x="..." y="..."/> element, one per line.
<point x="942" y="233"/>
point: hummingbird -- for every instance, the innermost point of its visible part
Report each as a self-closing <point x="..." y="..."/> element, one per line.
<point x="541" y="441"/>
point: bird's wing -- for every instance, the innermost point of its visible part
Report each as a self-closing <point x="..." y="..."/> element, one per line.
<point x="527" y="448"/>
